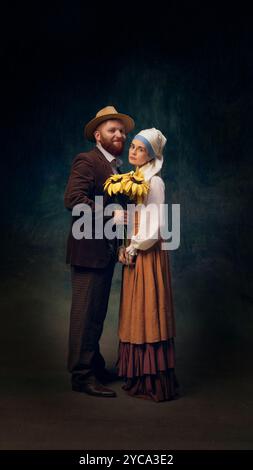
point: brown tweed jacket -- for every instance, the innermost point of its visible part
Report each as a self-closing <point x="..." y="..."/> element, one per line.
<point x="88" y="174"/>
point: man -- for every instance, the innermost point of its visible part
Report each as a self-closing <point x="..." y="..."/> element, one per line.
<point x="93" y="260"/>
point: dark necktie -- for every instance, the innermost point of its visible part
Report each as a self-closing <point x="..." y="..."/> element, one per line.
<point x="114" y="165"/>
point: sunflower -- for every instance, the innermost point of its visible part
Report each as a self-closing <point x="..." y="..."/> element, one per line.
<point x="135" y="186"/>
<point x="114" y="184"/>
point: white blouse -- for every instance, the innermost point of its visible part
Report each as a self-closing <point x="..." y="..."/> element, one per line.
<point x="151" y="217"/>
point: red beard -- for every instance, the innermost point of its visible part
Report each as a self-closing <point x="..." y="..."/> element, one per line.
<point x="115" y="148"/>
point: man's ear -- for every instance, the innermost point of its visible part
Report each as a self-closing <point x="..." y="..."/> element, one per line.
<point x="97" y="135"/>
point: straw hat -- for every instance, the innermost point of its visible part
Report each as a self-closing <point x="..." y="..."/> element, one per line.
<point x="109" y="112"/>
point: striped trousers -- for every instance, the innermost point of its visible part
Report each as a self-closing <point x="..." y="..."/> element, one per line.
<point x="90" y="295"/>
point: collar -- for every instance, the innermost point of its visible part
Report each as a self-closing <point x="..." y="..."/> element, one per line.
<point x="152" y="168"/>
<point x="109" y="156"/>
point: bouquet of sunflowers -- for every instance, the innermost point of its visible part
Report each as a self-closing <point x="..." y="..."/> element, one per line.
<point x="127" y="186"/>
<point x="132" y="185"/>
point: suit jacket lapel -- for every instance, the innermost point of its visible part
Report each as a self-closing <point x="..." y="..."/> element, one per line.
<point x="104" y="161"/>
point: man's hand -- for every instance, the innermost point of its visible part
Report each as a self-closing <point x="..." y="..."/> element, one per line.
<point x="122" y="255"/>
<point x="120" y="217"/>
<point x="125" y="258"/>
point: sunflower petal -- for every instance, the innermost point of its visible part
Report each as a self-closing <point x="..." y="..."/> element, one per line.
<point x="134" y="188"/>
<point x="117" y="177"/>
<point x="116" y="188"/>
<point x="128" y="185"/>
<point x="140" y="190"/>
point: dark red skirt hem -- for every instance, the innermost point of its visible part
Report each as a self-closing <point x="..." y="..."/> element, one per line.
<point x="149" y="370"/>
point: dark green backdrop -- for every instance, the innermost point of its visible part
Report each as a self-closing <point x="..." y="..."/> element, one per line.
<point x="189" y="75"/>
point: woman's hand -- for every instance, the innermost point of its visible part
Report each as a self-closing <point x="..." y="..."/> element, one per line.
<point x="130" y="259"/>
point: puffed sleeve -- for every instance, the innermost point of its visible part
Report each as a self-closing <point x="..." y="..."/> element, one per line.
<point x="150" y="218"/>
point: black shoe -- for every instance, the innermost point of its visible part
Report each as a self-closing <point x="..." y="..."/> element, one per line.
<point x="94" y="388"/>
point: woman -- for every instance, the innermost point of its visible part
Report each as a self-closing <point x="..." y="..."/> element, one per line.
<point x="146" y="319"/>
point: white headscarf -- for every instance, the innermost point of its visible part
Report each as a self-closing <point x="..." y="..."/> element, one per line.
<point x="154" y="141"/>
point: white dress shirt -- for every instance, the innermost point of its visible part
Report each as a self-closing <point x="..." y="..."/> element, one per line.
<point x="151" y="218"/>
<point x="115" y="162"/>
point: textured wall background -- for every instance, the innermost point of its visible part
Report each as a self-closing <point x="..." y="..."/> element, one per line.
<point x="193" y="80"/>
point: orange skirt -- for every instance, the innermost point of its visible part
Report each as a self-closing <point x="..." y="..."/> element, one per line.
<point x="146" y="312"/>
